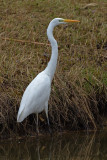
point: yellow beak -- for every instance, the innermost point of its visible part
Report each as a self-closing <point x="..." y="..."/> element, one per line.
<point x="69" y="20"/>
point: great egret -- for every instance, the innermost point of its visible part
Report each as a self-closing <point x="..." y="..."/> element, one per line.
<point x="36" y="96"/>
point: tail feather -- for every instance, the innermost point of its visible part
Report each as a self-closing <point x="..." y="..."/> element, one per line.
<point x="20" y="116"/>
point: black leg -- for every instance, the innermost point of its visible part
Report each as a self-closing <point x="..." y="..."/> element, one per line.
<point x="37" y="129"/>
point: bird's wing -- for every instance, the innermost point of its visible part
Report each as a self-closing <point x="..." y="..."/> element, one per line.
<point x="35" y="94"/>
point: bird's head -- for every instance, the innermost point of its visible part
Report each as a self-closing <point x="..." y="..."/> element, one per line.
<point x="58" y="21"/>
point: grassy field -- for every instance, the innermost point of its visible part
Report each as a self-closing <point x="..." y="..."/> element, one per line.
<point x="79" y="88"/>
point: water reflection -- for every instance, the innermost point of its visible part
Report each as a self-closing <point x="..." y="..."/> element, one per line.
<point x="73" y="146"/>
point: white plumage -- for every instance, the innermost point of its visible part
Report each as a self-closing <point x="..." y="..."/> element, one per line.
<point x="36" y="96"/>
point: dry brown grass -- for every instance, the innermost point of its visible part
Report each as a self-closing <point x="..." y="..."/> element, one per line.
<point x="78" y="96"/>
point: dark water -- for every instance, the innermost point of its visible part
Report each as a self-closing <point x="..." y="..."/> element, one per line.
<point x="72" y="146"/>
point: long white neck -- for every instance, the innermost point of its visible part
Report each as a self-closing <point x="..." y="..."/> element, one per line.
<point x="51" y="67"/>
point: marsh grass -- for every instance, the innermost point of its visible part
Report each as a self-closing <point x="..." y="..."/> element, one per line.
<point x="78" y="96"/>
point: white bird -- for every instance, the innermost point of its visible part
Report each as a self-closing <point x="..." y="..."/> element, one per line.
<point x="36" y="96"/>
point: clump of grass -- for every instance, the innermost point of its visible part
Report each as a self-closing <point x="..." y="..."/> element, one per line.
<point x="78" y="96"/>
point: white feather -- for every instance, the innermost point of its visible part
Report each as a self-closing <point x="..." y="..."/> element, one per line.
<point x="35" y="96"/>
